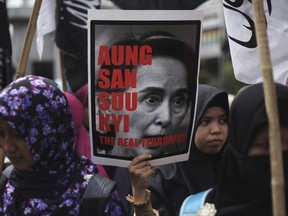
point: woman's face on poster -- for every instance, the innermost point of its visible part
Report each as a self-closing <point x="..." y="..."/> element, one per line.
<point x="162" y="103"/>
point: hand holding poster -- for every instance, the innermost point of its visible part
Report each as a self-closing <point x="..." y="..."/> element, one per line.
<point x="143" y="81"/>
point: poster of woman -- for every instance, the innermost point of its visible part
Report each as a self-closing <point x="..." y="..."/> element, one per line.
<point x="143" y="81"/>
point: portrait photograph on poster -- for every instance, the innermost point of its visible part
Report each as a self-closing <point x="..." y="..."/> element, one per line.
<point x="143" y="82"/>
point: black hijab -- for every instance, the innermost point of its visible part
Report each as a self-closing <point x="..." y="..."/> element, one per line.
<point x="172" y="183"/>
<point x="243" y="187"/>
<point x="200" y="170"/>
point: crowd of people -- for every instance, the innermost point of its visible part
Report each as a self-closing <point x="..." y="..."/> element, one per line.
<point x="243" y="186"/>
<point x="44" y="133"/>
<point x="52" y="176"/>
<point x="49" y="176"/>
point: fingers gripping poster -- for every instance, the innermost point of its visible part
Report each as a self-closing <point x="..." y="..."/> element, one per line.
<point x="143" y="81"/>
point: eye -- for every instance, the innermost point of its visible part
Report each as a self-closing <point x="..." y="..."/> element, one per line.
<point x="153" y="99"/>
<point x="204" y="122"/>
<point x="178" y="101"/>
<point x="16" y="134"/>
<point x="224" y="120"/>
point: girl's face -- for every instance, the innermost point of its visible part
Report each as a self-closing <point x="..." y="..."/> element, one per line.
<point x="15" y="147"/>
<point x="212" y="131"/>
<point x="260" y="143"/>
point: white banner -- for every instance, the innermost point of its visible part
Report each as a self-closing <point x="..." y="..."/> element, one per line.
<point x="46" y="23"/>
<point x="240" y="24"/>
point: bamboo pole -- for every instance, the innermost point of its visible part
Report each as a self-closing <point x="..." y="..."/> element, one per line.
<point x="61" y="56"/>
<point x="28" y="39"/>
<point x="276" y="160"/>
<point x="62" y="69"/>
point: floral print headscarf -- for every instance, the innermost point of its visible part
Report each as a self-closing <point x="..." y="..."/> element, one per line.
<point x="38" y="110"/>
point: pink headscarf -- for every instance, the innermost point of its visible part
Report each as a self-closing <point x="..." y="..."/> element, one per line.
<point x="82" y="140"/>
<point x="82" y="95"/>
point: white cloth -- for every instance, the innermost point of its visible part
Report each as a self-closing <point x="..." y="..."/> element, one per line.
<point x="46" y="23"/>
<point x="245" y="59"/>
<point x="6" y="160"/>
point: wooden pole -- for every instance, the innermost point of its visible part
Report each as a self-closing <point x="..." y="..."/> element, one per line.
<point x="276" y="159"/>
<point x="28" y="39"/>
<point x="62" y="69"/>
<point x="61" y="55"/>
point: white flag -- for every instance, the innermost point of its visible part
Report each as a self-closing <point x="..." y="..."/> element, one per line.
<point x="240" y="24"/>
<point x="46" y="23"/>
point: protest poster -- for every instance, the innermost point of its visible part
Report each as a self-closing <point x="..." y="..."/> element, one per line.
<point x="143" y="79"/>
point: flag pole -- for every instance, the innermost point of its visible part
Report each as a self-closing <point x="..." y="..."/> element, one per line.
<point x="62" y="69"/>
<point x="276" y="158"/>
<point x="61" y="58"/>
<point x="28" y="39"/>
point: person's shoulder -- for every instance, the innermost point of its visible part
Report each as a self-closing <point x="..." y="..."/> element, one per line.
<point x="99" y="186"/>
<point x="98" y="192"/>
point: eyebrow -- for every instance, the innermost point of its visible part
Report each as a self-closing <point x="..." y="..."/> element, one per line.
<point x="162" y="91"/>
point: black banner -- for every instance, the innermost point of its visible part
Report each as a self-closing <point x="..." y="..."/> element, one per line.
<point x="5" y="48"/>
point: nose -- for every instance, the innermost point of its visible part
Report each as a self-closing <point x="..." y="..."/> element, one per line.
<point x="164" y="117"/>
<point x="215" y="128"/>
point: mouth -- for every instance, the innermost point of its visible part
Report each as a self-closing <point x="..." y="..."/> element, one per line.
<point x="215" y="142"/>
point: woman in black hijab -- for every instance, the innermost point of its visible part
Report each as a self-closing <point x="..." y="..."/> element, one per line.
<point x="244" y="187"/>
<point x="200" y="170"/>
<point x="172" y="183"/>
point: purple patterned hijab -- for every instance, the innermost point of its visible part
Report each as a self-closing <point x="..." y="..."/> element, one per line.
<point x="38" y="110"/>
